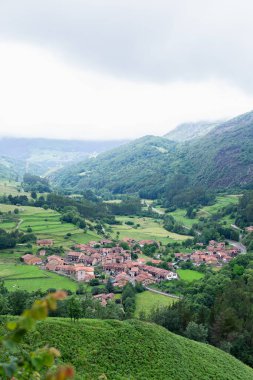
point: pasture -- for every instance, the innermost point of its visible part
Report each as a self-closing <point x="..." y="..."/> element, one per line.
<point x="149" y="229"/>
<point x="27" y="277"/>
<point x="147" y="300"/>
<point x="47" y="224"/>
<point x="189" y="275"/>
<point x="10" y="187"/>
<point x="221" y="201"/>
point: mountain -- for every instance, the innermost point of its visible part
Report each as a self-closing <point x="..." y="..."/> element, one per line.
<point x="132" y="349"/>
<point x="41" y="156"/>
<point x="224" y="157"/>
<point x="221" y="159"/>
<point x="189" y="131"/>
<point x="126" y="169"/>
<point x="10" y="168"/>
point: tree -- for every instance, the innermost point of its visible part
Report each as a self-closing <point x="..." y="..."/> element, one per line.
<point x="74" y="308"/>
<point x="34" y="195"/>
<point x="109" y="286"/>
<point x="196" y="332"/>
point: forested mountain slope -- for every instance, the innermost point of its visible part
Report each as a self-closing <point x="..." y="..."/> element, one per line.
<point x="224" y="157"/>
<point x="219" y="160"/>
<point x="140" y="164"/>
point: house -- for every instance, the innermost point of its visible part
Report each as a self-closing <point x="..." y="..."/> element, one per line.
<point x="159" y="274"/>
<point x="42" y="252"/>
<point x="31" y="259"/>
<point x="122" y="279"/>
<point x="104" y="298"/>
<point x="249" y="229"/>
<point x="142" y="243"/>
<point x="45" y="242"/>
<point x="74" y="256"/>
<point x="145" y="278"/>
<point x="105" y="242"/>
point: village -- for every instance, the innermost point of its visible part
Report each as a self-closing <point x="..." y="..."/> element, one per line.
<point x="88" y="261"/>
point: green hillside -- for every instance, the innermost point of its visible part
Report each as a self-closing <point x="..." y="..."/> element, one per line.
<point x="224" y="157"/>
<point x="142" y="163"/>
<point x="221" y="159"/>
<point x="135" y="350"/>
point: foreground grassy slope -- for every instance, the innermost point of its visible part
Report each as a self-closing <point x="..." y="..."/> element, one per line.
<point x="135" y="350"/>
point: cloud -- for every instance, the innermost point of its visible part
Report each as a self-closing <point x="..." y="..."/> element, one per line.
<point x="151" y="41"/>
<point x="42" y="96"/>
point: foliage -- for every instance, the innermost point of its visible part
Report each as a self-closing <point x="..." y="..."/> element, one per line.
<point x="21" y="363"/>
<point x="222" y="302"/>
<point x="35" y="183"/>
<point x="133" y="349"/>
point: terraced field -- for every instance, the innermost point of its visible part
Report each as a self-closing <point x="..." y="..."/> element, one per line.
<point x="47" y="224"/>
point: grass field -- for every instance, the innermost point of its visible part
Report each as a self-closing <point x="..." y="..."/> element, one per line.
<point x="150" y="229"/>
<point x="206" y="211"/>
<point x="10" y="187"/>
<point x="221" y="201"/>
<point x="27" y="277"/>
<point x="189" y="275"/>
<point x="147" y="300"/>
<point x="47" y="224"/>
<point x="180" y="217"/>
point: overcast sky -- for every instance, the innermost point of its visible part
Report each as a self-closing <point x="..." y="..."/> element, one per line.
<point x="103" y="69"/>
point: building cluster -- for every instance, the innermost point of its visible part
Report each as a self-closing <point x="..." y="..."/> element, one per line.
<point x="215" y="254"/>
<point x="114" y="261"/>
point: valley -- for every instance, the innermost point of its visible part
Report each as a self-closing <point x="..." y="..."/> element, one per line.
<point x="138" y="237"/>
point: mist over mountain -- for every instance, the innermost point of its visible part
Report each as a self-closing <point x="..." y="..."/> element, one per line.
<point x="41" y="156"/>
<point x="189" y="131"/>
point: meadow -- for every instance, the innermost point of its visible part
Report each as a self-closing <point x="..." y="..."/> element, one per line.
<point x="47" y="224"/>
<point x="189" y="275"/>
<point x="26" y="277"/>
<point x="147" y="300"/>
<point x="11" y="187"/>
<point x="221" y="201"/>
<point x="149" y="229"/>
<point x="206" y="211"/>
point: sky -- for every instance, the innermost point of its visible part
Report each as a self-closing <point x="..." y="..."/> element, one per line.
<point x="121" y="69"/>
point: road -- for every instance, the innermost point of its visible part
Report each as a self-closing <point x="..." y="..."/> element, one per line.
<point x="238" y="245"/>
<point x="162" y="293"/>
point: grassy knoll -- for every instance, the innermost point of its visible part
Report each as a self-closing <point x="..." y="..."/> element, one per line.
<point x="134" y="350"/>
<point x="27" y="277"/>
<point x="150" y="229"/>
<point x="189" y="275"/>
<point x="147" y="300"/>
